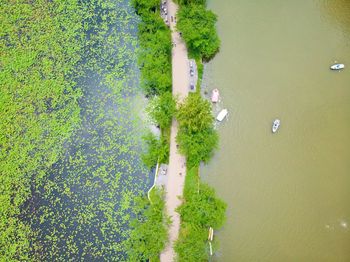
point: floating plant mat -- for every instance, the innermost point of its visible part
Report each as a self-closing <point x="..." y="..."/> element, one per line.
<point x="82" y="210"/>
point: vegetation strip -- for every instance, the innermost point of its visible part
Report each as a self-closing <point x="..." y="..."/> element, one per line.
<point x="149" y="229"/>
<point x="197" y="139"/>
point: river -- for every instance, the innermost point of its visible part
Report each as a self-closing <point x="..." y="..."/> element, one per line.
<point x="287" y="193"/>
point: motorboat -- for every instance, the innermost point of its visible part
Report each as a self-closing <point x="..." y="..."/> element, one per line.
<point x="276" y="124"/>
<point x="215" y="95"/>
<point x="337" y="66"/>
<point x="223" y="113"/>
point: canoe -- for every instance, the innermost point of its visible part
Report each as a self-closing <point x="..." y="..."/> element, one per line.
<point x="337" y="66"/>
<point x="276" y="124"/>
<point x="223" y="113"/>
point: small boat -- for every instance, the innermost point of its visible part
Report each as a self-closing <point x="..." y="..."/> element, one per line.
<point x="275" y="125"/>
<point x="215" y="95"/>
<point x="337" y="66"/>
<point x="222" y="115"/>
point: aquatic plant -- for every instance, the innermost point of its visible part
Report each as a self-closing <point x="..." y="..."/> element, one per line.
<point x="71" y="136"/>
<point x="39" y="46"/>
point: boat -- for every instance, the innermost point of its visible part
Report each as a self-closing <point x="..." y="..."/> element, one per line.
<point x="337" y="66"/>
<point x="276" y="124"/>
<point x="215" y="95"/>
<point x="223" y="113"/>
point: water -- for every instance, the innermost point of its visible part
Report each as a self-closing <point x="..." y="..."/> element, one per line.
<point x="83" y="209"/>
<point x="287" y="193"/>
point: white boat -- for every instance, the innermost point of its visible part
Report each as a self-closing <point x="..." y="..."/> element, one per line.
<point x="275" y="125"/>
<point x="215" y="95"/>
<point x="223" y="113"/>
<point x="337" y="66"/>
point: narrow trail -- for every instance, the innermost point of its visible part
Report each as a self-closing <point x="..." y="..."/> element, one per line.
<point x="177" y="166"/>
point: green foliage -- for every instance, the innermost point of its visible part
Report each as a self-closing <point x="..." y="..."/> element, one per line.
<point x="155" y="51"/>
<point x="192" y="245"/>
<point x="149" y="229"/>
<point x="40" y="47"/>
<point x="155" y="55"/>
<point x="198" y="30"/>
<point x="143" y="7"/>
<point x="188" y="2"/>
<point x="83" y="209"/>
<point x="194" y="114"/>
<point x="203" y="208"/>
<point x="161" y="109"/>
<point x="196" y="137"/>
<point x="200" y="210"/>
<point x="153" y="147"/>
<point x="156" y="150"/>
<point x="70" y="138"/>
<point x="197" y="147"/>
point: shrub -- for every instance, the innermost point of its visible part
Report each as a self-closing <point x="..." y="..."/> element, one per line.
<point x="198" y="30"/>
<point x="161" y="109"/>
<point x="196" y="137"/>
<point x="149" y="229"/>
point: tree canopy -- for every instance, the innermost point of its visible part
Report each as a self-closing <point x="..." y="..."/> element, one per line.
<point x="196" y="136"/>
<point x="161" y="109"/>
<point x="188" y="2"/>
<point x="198" y="30"/>
<point x="194" y="113"/>
<point x="149" y="229"/>
<point x="145" y="6"/>
<point x="203" y="208"/>
<point x="200" y="210"/>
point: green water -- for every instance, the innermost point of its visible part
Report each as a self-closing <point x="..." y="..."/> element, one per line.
<point x="288" y="193"/>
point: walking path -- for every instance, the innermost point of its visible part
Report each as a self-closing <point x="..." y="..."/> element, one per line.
<point x="177" y="166"/>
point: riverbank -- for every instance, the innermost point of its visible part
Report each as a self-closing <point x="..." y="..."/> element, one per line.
<point x="192" y="135"/>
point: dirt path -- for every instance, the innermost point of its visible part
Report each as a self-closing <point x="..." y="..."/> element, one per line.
<point x="177" y="166"/>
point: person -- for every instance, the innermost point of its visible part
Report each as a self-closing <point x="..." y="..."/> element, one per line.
<point x="171" y="18"/>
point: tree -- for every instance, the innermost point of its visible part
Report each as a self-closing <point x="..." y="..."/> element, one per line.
<point x="192" y="244"/>
<point x="145" y="6"/>
<point x="196" y="137"/>
<point x="161" y="109"/>
<point x="155" y="55"/>
<point x="188" y="2"/>
<point x="197" y="147"/>
<point x="198" y="30"/>
<point x="194" y="113"/>
<point x="149" y="229"/>
<point x="203" y="208"/>
<point x="157" y="150"/>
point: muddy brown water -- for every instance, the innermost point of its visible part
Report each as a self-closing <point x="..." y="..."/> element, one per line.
<point x="288" y="193"/>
